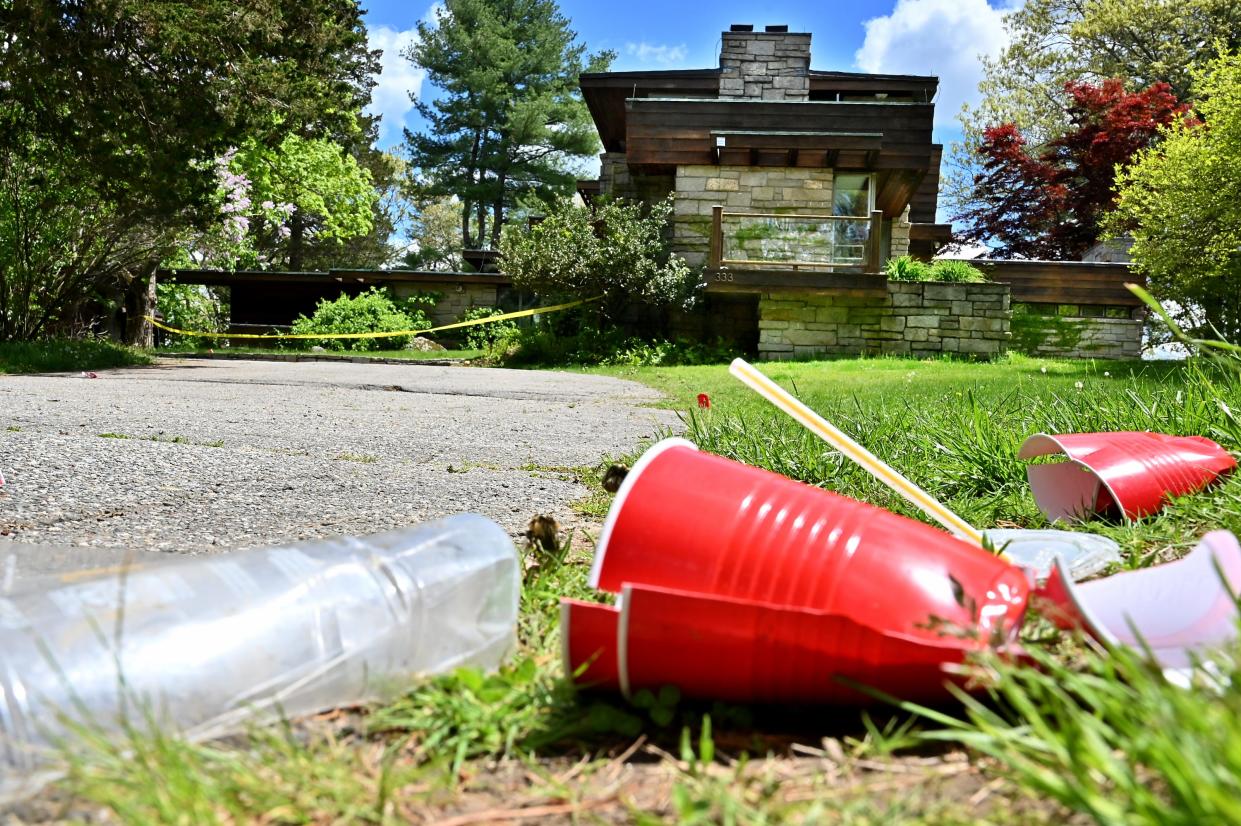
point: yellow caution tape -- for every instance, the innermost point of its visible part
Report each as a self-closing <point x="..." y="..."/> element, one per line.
<point x="473" y="322"/>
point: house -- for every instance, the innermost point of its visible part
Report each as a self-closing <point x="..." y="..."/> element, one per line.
<point x="764" y="133"/>
<point x="792" y="188"/>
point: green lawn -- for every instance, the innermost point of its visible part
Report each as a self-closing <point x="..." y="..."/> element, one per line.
<point x="886" y="380"/>
<point x="66" y="355"/>
<point x="954" y="427"/>
<point x="1085" y="737"/>
<point x="408" y="355"/>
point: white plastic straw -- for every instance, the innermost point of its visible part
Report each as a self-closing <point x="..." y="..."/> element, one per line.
<point x="871" y="463"/>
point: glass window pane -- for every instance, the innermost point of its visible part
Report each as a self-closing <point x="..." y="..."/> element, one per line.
<point x="851" y="195"/>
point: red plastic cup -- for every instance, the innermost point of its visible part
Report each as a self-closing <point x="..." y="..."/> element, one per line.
<point x="1174" y="611"/>
<point x="740" y="651"/>
<point x="588" y="635"/>
<point x="1136" y="472"/>
<point x="690" y="521"/>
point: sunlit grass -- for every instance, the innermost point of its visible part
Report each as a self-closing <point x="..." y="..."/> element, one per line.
<point x="66" y="355"/>
<point x="1097" y="737"/>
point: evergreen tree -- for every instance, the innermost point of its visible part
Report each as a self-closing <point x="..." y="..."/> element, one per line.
<point x="509" y="122"/>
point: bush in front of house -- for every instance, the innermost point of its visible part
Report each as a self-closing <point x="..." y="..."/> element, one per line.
<point x="374" y="311"/>
<point x="544" y="347"/>
<point x="486" y="336"/>
<point x="907" y="268"/>
<point x="614" y="254"/>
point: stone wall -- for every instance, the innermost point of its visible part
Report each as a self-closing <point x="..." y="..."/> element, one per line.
<point x="908" y="318"/>
<point x="616" y="179"/>
<point x="1077" y="331"/>
<point x="455" y="299"/>
<point x="744" y="189"/>
<point x="765" y="66"/>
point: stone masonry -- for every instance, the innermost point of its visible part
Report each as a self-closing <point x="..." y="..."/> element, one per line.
<point x="900" y="235"/>
<point x="740" y="189"/>
<point x="455" y="298"/>
<point x="909" y="319"/>
<point x="765" y="66"/>
<point x="1078" y="331"/>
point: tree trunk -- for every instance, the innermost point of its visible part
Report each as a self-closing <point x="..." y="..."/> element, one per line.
<point x="482" y="224"/>
<point x="497" y="213"/>
<point x="139" y="303"/>
<point x="297" y="240"/>
<point x="466" y="209"/>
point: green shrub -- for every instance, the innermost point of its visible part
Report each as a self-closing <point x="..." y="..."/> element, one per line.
<point x="616" y="251"/>
<point x="539" y="346"/>
<point x="374" y="311"/>
<point x="192" y="307"/>
<point x="906" y="268"/>
<point x="957" y="271"/>
<point x="485" y="336"/>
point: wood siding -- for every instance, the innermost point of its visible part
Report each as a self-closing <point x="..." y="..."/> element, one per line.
<point x="664" y="134"/>
<point x="1065" y="282"/>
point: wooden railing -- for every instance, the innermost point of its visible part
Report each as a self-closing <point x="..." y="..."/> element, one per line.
<point x="721" y="257"/>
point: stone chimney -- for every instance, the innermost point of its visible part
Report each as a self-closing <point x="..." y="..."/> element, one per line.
<point x="768" y="65"/>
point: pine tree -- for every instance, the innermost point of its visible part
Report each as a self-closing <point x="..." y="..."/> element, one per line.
<point x="509" y="123"/>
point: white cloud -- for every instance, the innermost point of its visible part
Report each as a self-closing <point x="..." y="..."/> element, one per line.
<point x="396" y="79"/>
<point x="661" y="53"/>
<point x="937" y="37"/>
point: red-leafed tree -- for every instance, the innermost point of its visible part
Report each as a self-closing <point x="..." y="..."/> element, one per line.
<point x="1047" y="202"/>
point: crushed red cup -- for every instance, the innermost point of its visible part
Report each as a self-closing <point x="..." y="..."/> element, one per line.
<point x="1130" y="473"/>
<point x="1174" y="612"/>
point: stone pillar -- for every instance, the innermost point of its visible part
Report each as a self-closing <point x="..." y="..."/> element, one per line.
<point x="770" y="65"/>
<point x="614" y="174"/>
<point x="900" y="235"/>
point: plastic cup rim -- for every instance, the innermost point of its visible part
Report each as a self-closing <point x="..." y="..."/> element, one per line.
<point x="1072" y="460"/>
<point x="618" y="504"/>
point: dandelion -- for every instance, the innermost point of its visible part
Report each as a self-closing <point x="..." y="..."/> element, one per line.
<point x="1078" y="385"/>
<point x="1107" y="374"/>
<point x="1042" y="369"/>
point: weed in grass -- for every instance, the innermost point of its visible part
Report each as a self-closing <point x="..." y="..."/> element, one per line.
<point x="281" y="776"/>
<point x="1107" y="735"/>
<point x="112" y="436"/>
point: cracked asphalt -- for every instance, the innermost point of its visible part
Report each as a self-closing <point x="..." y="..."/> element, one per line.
<point x="203" y="456"/>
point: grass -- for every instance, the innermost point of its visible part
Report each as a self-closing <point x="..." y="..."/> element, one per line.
<point x="407" y="355"/>
<point x="66" y="356"/>
<point x="1096" y="737"/>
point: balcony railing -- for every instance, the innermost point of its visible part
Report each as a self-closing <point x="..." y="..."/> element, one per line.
<point x="795" y="241"/>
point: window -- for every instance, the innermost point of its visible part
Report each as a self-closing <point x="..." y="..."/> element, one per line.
<point x="851" y="198"/>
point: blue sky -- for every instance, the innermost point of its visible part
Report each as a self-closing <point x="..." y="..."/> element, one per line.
<point x="940" y="37"/>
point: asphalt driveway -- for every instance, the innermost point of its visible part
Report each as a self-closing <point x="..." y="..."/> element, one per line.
<point x="217" y="455"/>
